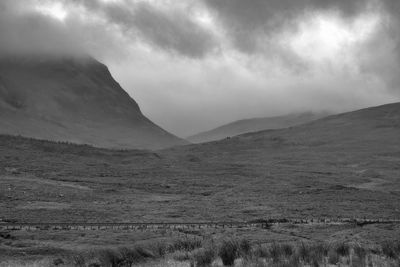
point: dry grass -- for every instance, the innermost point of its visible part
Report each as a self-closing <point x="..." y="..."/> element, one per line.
<point x="21" y="263"/>
<point x="228" y="251"/>
<point x="391" y="249"/>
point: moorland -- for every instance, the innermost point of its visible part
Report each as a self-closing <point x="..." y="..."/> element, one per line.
<point x="341" y="166"/>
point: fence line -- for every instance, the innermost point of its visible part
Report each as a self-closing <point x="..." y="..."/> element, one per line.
<point x="137" y="226"/>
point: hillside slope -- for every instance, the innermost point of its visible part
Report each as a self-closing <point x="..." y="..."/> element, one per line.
<point x="346" y="165"/>
<point x="255" y="125"/>
<point x="75" y="100"/>
<point x="365" y="130"/>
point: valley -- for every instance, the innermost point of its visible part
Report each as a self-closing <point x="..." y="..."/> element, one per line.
<point x="344" y="166"/>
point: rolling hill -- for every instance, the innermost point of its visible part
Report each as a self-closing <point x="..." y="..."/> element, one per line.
<point x="345" y="165"/>
<point x="75" y="100"/>
<point x="255" y="125"/>
<point x="362" y="131"/>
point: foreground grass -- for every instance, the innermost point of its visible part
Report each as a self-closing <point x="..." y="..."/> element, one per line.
<point x="228" y="252"/>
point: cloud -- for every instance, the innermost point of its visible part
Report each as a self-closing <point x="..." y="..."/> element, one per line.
<point x="248" y="23"/>
<point x="24" y="29"/>
<point x="169" y="29"/>
<point x="257" y="28"/>
<point x="173" y="31"/>
<point x="196" y="64"/>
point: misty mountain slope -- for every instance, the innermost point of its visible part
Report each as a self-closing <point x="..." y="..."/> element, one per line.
<point x="74" y="100"/>
<point x="255" y="125"/>
<point x="368" y="132"/>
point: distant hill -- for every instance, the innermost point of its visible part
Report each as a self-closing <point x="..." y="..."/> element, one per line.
<point x="255" y="125"/>
<point x="75" y="100"/>
<point x="366" y="131"/>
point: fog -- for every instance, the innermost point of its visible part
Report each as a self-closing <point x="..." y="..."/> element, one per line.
<point x="194" y="65"/>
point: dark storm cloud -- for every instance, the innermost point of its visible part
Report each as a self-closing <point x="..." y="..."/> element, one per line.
<point x="173" y="31"/>
<point x="24" y="30"/>
<point x="247" y="21"/>
<point x="170" y="30"/>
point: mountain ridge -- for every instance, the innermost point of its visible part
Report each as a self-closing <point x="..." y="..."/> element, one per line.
<point x="75" y="100"/>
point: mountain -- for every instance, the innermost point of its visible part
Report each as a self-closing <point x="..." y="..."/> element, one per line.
<point x="368" y="131"/>
<point x="75" y="100"/>
<point x="255" y="125"/>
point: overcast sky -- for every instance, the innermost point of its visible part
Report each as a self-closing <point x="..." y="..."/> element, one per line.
<point x="193" y="65"/>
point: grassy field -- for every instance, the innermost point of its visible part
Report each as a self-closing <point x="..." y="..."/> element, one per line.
<point x="242" y="248"/>
<point x="345" y="166"/>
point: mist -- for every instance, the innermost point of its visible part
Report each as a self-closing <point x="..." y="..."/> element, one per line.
<point x="195" y="65"/>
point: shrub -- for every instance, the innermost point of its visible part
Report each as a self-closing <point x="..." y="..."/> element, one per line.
<point x="360" y="257"/>
<point x="333" y="257"/>
<point x="294" y="260"/>
<point x="280" y="252"/>
<point x="360" y="252"/>
<point x="391" y="249"/>
<point x="204" y="256"/>
<point x="58" y="261"/>
<point x="228" y="252"/>
<point x="275" y="252"/>
<point x="261" y="252"/>
<point x="182" y="256"/>
<point x="304" y="252"/>
<point x="143" y="253"/>
<point x="317" y="253"/>
<point x="287" y="250"/>
<point x="78" y="260"/>
<point x="110" y="257"/>
<point x="245" y="248"/>
<point x="129" y="256"/>
<point x="135" y="255"/>
<point x="321" y="249"/>
<point x="343" y="249"/>
<point x="160" y="248"/>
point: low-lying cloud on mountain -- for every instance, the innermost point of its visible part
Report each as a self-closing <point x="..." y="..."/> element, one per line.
<point x="196" y="64"/>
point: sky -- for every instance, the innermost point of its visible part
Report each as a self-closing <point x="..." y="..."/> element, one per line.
<point x="193" y="65"/>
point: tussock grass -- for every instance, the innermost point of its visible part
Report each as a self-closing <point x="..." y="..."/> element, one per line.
<point x="391" y="249"/>
<point x="119" y="257"/>
<point x="280" y="251"/>
<point x="135" y="255"/>
<point x="333" y="257"/>
<point x="79" y="260"/>
<point x="342" y="249"/>
<point x="182" y="256"/>
<point x="185" y="244"/>
<point x="198" y="252"/>
<point x="245" y="249"/>
<point x="261" y="251"/>
<point x="229" y="251"/>
<point x="304" y="252"/>
<point x="110" y="257"/>
<point x="204" y="256"/>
